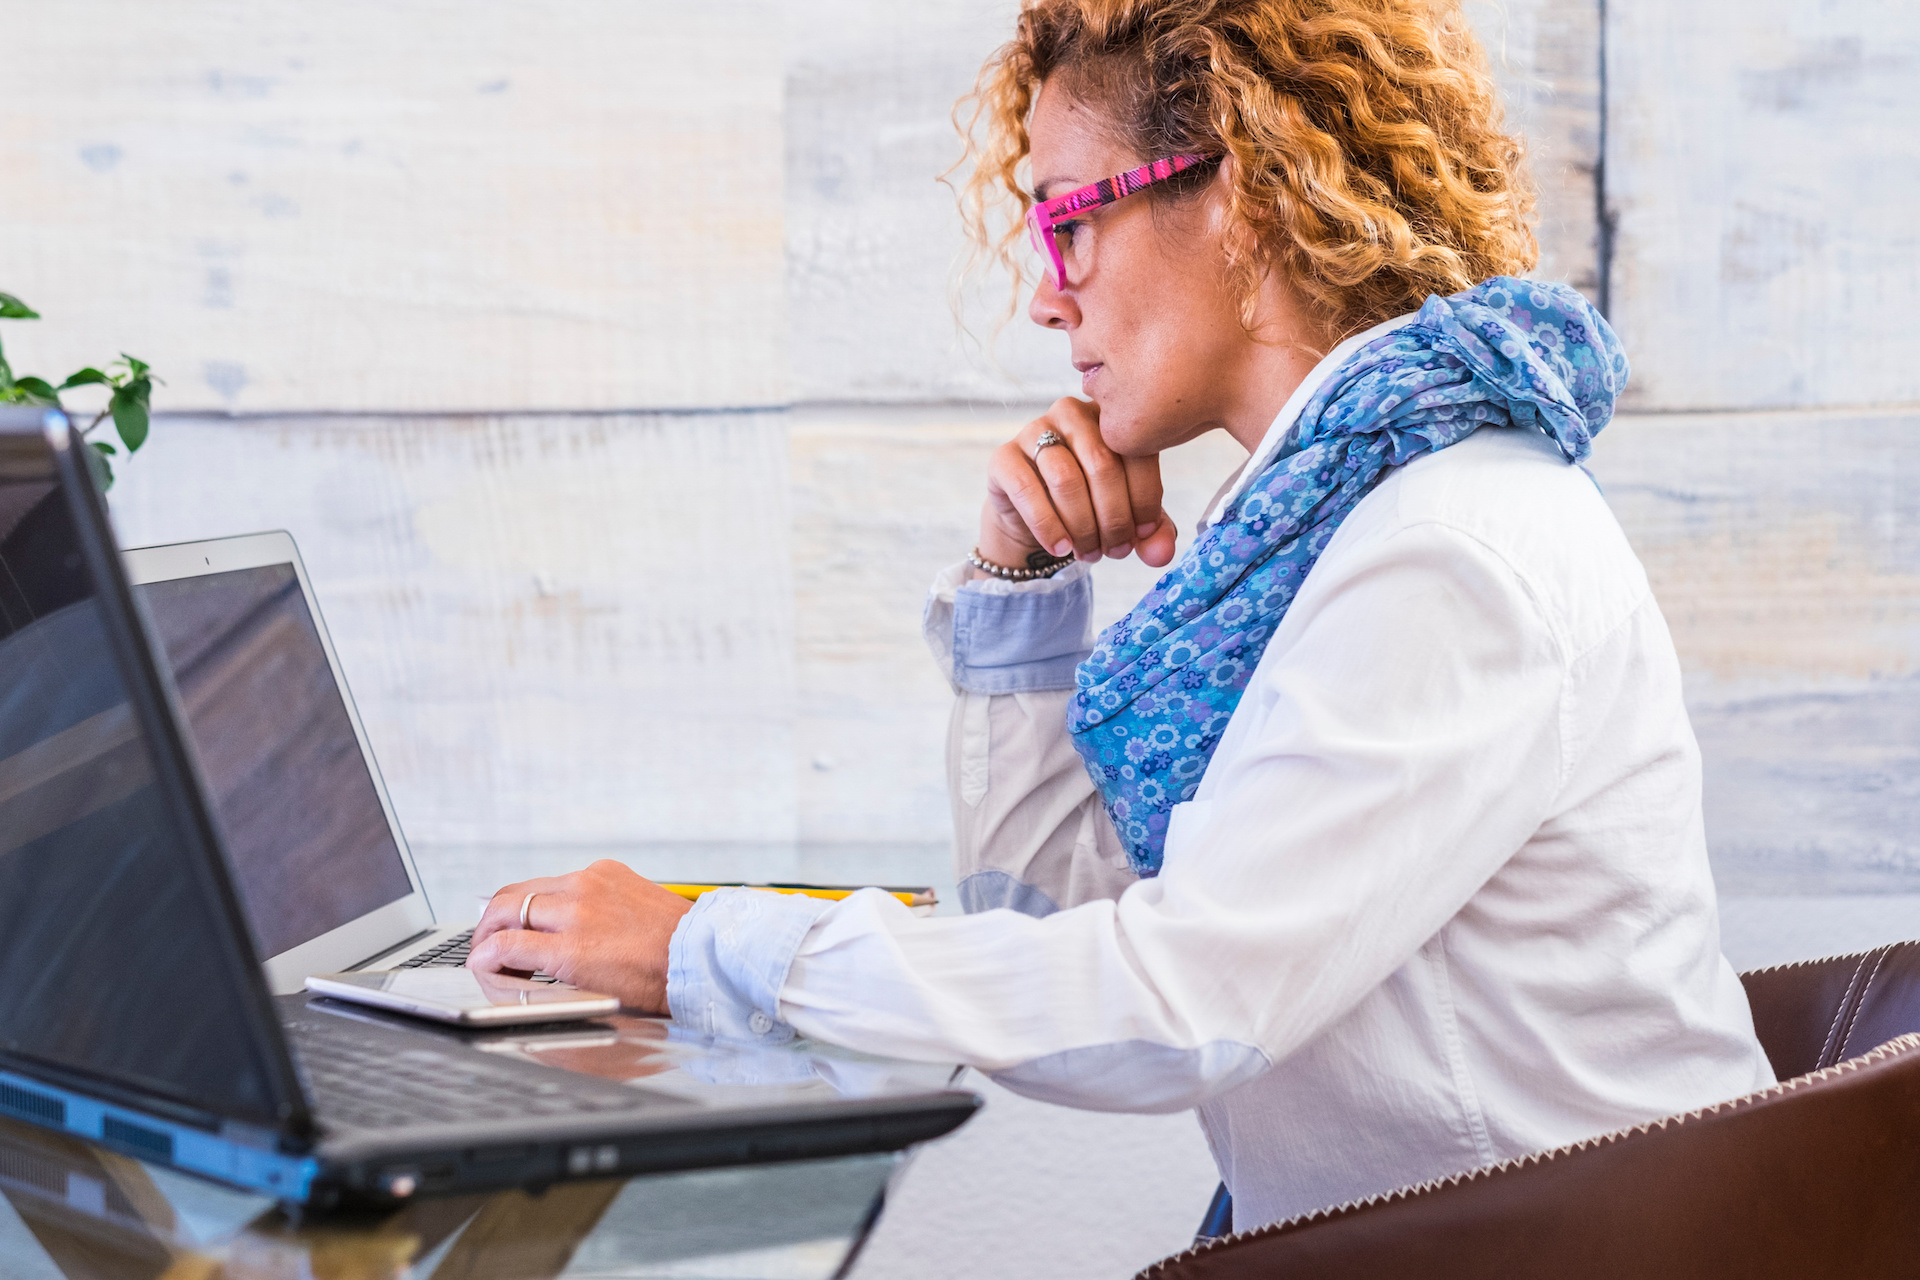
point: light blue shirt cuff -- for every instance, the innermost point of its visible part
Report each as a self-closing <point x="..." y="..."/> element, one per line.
<point x="1021" y="642"/>
<point x="729" y="958"/>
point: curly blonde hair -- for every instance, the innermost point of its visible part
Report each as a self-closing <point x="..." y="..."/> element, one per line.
<point x="1368" y="158"/>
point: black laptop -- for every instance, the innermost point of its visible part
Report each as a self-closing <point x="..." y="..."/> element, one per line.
<point x="133" y="1007"/>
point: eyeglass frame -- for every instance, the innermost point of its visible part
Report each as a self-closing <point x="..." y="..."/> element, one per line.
<point x="1044" y="216"/>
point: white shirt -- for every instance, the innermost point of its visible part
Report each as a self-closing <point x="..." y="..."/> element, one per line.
<point x="1442" y="897"/>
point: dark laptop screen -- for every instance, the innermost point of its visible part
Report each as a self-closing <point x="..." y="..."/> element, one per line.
<point x="115" y="951"/>
<point x="309" y="842"/>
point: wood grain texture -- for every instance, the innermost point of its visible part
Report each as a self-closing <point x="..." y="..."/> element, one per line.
<point x="1545" y="54"/>
<point x="1784" y="549"/>
<point x="560" y="630"/>
<point x="476" y="205"/>
<point x="875" y="246"/>
<point x="1764" y="167"/>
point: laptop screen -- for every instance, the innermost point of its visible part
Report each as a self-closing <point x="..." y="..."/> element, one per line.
<point x="115" y="951"/>
<point x="306" y="834"/>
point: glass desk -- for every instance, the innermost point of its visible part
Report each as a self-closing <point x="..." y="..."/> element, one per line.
<point x="75" y="1211"/>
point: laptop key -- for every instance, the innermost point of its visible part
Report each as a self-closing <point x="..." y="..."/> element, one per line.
<point x="369" y="1085"/>
<point x="451" y="953"/>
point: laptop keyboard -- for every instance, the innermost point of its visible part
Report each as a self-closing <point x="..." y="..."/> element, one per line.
<point x="451" y="953"/>
<point x="364" y="1083"/>
<point x="448" y="953"/>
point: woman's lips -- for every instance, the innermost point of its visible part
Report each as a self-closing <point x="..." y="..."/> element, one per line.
<point x="1087" y="368"/>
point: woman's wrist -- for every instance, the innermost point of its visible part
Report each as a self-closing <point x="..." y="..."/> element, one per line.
<point x="1039" y="565"/>
<point x="998" y="556"/>
<point x="997" y="546"/>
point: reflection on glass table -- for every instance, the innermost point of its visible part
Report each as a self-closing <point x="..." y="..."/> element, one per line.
<point x="658" y="1056"/>
<point x="74" y="1211"/>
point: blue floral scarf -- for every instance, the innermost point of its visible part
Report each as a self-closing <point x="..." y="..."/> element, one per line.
<point x="1157" y="691"/>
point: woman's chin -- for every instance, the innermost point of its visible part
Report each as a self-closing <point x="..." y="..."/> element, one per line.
<point x="1128" y="436"/>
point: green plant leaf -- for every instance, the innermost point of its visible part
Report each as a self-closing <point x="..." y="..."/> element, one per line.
<point x="11" y="308"/>
<point x="87" y="377"/>
<point x="36" y="391"/>
<point x="101" y="468"/>
<point x="104" y="447"/>
<point x="136" y="369"/>
<point x="129" y="409"/>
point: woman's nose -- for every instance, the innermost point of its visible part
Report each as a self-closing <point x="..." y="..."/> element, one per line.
<point x="1052" y="309"/>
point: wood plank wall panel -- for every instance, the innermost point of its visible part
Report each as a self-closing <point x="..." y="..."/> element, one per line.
<point x="1545" y="54"/>
<point x="1784" y="549"/>
<point x="1763" y="165"/>
<point x="561" y="630"/>
<point x="875" y="248"/>
<point x="472" y="205"/>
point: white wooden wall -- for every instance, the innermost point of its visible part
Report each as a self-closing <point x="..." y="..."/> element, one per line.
<point x="600" y="357"/>
<point x="1763" y="163"/>
<point x="449" y="205"/>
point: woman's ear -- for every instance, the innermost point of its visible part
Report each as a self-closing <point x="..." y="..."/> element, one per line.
<point x="1235" y="236"/>
<point x="1245" y="261"/>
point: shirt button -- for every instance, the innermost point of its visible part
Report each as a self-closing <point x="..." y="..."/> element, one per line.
<point x="760" y="1023"/>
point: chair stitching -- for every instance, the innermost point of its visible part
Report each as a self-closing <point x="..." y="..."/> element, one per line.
<point x="1840" y="1011"/>
<point x="1845" y="1000"/>
<point x="1802" y="964"/>
<point x="1861" y="1003"/>
<point x="1898" y="1047"/>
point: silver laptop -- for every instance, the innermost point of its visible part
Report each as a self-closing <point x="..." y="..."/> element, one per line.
<point x="318" y="855"/>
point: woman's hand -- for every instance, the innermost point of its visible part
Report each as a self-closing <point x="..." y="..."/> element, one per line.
<point x="1080" y="497"/>
<point x="604" y="929"/>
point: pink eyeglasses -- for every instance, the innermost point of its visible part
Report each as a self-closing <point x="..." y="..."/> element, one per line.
<point x="1048" y="218"/>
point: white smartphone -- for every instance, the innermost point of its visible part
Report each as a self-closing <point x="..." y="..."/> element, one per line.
<point x="463" y="996"/>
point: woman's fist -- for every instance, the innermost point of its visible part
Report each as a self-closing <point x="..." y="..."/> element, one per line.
<point x="1078" y="498"/>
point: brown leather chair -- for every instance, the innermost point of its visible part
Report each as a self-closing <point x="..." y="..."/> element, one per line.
<point x="1818" y="1176"/>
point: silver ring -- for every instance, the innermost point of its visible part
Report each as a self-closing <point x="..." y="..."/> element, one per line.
<point x="526" y="906"/>
<point x="1048" y="439"/>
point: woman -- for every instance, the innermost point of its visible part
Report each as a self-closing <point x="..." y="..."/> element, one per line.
<point x="1374" y="830"/>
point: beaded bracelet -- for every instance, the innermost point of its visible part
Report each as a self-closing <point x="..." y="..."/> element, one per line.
<point x="1039" y="565"/>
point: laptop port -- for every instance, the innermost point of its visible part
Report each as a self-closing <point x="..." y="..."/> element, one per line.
<point x="584" y="1162"/>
